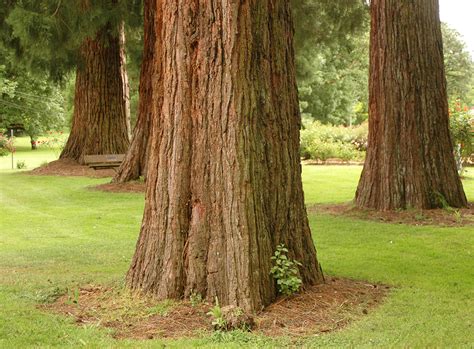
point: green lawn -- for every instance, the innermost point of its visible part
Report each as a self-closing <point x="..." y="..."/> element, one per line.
<point x="32" y="159"/>
<point x="56" y="233"/>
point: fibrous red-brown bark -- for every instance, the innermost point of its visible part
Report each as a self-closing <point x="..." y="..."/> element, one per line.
<point x="410" y="160"/>
<point x="134" y="164"/>
<point x="224" y="178"/>
<point x="99" y="124"/>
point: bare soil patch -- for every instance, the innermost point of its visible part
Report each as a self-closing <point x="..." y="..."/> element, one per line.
<point x="319" y="309"/>
<point x="129" y="187"/>
<point x="66" y="167"/>
<point x="440" y="217"/>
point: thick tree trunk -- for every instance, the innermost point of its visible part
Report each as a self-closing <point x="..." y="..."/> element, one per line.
<point x="410" y="160"/>
<point x="134" y="164"/>
<point x="224" y="182"/>
<point x="99" y="123"/>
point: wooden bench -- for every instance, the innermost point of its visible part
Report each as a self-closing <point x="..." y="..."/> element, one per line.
<point x="103" y="161"/>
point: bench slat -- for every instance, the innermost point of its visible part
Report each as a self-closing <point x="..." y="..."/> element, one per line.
<point x="104" y="161"/>
<point x="106" y="158"/>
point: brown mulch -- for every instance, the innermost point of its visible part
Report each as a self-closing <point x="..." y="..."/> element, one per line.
<point x="319" y="309"/>
<point x="129" y="187"/>
<point x="66" y="167"/>
<point x="440" y="217"/>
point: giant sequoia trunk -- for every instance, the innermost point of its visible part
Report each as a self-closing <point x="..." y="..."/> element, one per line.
<point x="99" y="124"/>
<point x="224" y="176"/>
<point x="134" y="164"/>
<point x="410" y="160"/>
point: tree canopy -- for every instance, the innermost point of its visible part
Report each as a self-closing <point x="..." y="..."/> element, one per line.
<point x="459" y="65"/>
<point x="331" y="45"/>
<point x="27" y="98"/>
<point x="48" y="33"/>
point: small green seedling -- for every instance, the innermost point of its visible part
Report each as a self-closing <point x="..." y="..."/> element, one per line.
<point x="285" y="272"/>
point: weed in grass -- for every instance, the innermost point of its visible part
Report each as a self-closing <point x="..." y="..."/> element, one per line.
<point x="195" y="298"/>
<point x="48" y="295"/>
<point x="457" y="215"/>
<point x="20" y="165"/>
<point x="162" y="308"/>
<point x="73" y="296"/>
<point x="419" y="216"/>
<point x="218" y="320"/>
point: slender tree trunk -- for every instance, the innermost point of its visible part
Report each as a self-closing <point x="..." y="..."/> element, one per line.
<point x="99" y="123"/>
<point x="410" y="161"/>
<point x="33" y="142"/>
<point x="224" y="182"/>
<point x="134" y="164"/>
<point x="125" y="81"/>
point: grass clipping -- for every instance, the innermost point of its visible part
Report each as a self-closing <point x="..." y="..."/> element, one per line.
<point x="319" y="309"/>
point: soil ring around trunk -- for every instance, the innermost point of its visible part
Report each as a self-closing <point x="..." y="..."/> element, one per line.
<point x="319" y="309"/>
<point x="67" y="167"/>
<point x="441" y="217"/>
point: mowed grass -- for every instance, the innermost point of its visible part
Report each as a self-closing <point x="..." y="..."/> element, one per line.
<point x="57" y="233"/>
<point x="32" y="159"/>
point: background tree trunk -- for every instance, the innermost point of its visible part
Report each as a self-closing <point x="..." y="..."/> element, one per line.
<point x="410" y="160"/>
<point x="33" y="142"/>
<point x="125" y="81"/>
<point x="99" y="123"/>
<point x="134" y="164"/>
<point x="224" y="182"/>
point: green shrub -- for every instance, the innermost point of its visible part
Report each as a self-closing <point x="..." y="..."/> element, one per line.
<point x="322" y="142"/>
